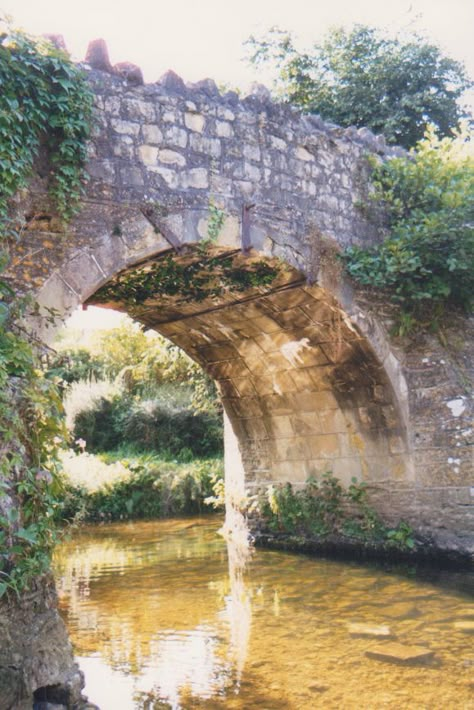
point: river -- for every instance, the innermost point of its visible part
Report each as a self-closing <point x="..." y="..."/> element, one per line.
<point x="157" y="623"/>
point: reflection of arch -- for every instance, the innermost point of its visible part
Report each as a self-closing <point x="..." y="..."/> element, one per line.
<point x="305" y="389"/>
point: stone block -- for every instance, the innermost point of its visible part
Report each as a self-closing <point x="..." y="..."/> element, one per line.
<point x="281" y="426"/>
<point x="170" y="157"/>
<point x="399" y="653"/>
<point x="128" y="128"/>
<point x="194" y="121"/>
<point x="151" y="134"/>
<point x="196" y="177"/>
<point x="148" y="154"/>
<point x="291" y="449"/>
<point x="324" y="446"/>
<point x="224" y="129"/>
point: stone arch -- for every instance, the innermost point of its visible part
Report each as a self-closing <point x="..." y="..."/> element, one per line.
<point x="305" y="389"/>
<point x="290" y="188"/>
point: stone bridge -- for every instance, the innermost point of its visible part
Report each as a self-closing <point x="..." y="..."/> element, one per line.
<point x="217" y="221"/>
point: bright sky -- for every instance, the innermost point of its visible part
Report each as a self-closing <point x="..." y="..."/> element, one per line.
<point x="203" y="38"/>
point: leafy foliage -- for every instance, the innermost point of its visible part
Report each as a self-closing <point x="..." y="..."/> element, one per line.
<point x="75" y="365"/>
<point x="152" y="489"/>
<point x="43" y="97"/>
<point x="426" y="262"/>
<point x="395" y="86"/>
<point x="198" y="278"/>
<point x="161" y="425"/>
<point x="325" y="508"/>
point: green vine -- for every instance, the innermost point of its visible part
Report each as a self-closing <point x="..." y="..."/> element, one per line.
<point x="44" y="99"/>
<point x="203" y="276"/>
<point x="44" y="102"/>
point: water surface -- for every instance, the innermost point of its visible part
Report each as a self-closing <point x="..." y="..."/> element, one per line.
<point x="156" y="622"/>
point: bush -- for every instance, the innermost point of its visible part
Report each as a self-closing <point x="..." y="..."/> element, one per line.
<point x="159" y="426"/>
<point x="426" y="262"/>
<point x="325" y="508"/>
<point x="150" y="489"/>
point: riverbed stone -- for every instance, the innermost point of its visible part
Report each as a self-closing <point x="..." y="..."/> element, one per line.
<point x="394" y="652"/>
<point x="371" y="630"/>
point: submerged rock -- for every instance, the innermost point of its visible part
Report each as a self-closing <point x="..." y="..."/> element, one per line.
<point x="398" y="653"/>
<point x="361" y="629"/>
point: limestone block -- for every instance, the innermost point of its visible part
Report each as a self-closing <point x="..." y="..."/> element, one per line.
<point x="194" y="121"/>
<point x="252" y="152"/>
<point x="196" y="177"/>
<point x="303" y="153"/>
<point x="225" y="113"/>
<point x="137" y="110"/>
<point x="224" y="129"/>
<point x="203" y="144"/>
<point x="277" y="143"/>
<point x="291" y="449"/>
<point x="112" y="105"/>
<point x="251" y="172"/>
<point x="125" y="127"/>
<point x="176" y="136"/>
<point x="152" y="134"/>
<point x="332" y="421"/>
<point x="171" y="157"/>
<point x="281" y="427"/>
<point x="398" y="653"/>
<point x="324" y="446"/>
<point x="148" y="154"/>
<point x="168" y="175"/>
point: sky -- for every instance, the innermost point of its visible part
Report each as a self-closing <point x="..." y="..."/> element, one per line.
<point x="204" y="38"/>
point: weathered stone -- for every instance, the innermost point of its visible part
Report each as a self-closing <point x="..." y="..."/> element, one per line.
<point x="194" y="121"/>
<point x="97" y="55"/>
<point x="369" y="630"/>
<point x="172" y="82"/>
<point x="132" y="74"/>
<point x="171" y="157"/>
<point x="148" y="154"/>
<point x="398" y="653"/>
<point x="315" y="360"/>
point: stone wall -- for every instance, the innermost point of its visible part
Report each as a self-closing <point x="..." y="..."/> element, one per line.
<point x="36" y="660"/>
<point x="309" y="377"/>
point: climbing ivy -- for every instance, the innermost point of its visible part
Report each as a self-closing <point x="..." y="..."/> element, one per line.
<point x="194" y="279"/>
<point x="44" y="101"/>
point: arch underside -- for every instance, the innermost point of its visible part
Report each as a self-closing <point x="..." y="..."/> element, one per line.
<point x="301" y="386"/>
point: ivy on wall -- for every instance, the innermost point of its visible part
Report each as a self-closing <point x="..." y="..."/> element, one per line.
<point x="44" y="101"/>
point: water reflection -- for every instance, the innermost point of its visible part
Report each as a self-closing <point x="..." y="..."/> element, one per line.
<point x="158" y="622"/>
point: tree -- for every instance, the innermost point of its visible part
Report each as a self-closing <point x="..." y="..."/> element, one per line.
<point x="361" y="77"/>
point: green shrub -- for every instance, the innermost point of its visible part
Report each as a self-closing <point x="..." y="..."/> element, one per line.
<point x="153" y="489"/>
<point x="325" y="508"/>
<point x="158" y="426"/>
<point x="425" y="264"/>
